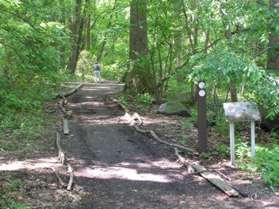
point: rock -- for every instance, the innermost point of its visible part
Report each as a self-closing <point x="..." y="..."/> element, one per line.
<point x="173" y="108"/>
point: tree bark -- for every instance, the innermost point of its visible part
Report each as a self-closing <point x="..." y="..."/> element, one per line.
<point x="138" y="77"/>
<point x="76" y="29"/>
<point x="273" y="52"/>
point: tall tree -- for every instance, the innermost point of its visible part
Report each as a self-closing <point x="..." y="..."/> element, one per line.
<point x="76" y="28"/>
<point x="273" y="53"/>
<point x="138" y="77"/>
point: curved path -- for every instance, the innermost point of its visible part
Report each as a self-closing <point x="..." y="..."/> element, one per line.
<point x="120" y="168"/>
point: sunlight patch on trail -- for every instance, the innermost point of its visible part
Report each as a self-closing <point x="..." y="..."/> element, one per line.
<point x="159" y="171"/>
<point x="121" y="173"/>
<point x="31" y="164"/>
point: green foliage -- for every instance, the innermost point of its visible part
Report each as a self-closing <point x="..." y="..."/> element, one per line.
<point x="113" y="72"/>
<point x="223" y="150"/>
<point x="32" y="53"/>
<point x="144" y="99"/>
<point x="187" y="123"/>
<point x="85" y="66"/>
<point x="140" y="102"/>
<point x="183" y="139"/>
<point x="221" y="68"/>
<point x="265" y="162"/>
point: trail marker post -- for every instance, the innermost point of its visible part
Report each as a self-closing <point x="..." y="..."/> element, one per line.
<point x="239" y="112"/>
<point x="202" y="118"/>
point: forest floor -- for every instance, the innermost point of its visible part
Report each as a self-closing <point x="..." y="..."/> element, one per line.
<point x="117" y="167"/>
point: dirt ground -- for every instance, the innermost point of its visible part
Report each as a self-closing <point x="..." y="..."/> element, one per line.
<point x="116" y="167"/>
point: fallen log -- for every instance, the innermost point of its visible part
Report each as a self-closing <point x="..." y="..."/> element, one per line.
<point x="70" y="92"/>
<point x="66" y="129"/>
<point x="180" y="158"/>
<point x="212" y="177"/>
<point x="61" y="154"/>
<point x="136" y="119"/>
<point x="65" y="101"/>
<point x="61" y="107"/>
<point x="66" y="113"/>
<point x="157" y="138"/>
<point x="216" y="180"/>
<point x="62" y="159"/>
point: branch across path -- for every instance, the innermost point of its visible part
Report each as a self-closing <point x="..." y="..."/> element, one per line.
<point x="120" y="168"/>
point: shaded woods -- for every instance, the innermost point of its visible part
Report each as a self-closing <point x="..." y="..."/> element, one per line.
<point x="160" y="49"/>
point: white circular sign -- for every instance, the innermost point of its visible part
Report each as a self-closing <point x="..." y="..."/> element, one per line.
<point x="202" y="93"/>
<point x="201" y="85"/>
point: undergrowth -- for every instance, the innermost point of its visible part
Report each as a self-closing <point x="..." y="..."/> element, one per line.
<point x="266" y="162"/>
<point x="22" y="116"/>
<point x="138" y="103"/>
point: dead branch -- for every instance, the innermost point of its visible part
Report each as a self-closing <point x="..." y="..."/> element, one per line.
<point x="71" y="181"/>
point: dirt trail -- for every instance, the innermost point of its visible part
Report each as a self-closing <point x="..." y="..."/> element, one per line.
<point x="120" y="168"/>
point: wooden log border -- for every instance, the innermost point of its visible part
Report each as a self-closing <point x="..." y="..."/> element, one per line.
<point x="61" y="154"/>
<point x="62" y="159"/>
<point x="194" y="168"/>
<point x="70" y="92"/>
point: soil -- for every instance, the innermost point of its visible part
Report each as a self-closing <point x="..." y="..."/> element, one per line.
<point x="116" y="167"/>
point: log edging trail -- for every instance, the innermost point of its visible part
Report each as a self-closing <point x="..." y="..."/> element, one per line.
<point x="66" y="114"/>
<point x="194" y="168"/>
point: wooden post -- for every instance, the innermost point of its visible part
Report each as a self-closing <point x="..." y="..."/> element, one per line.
<point x="253" y="143"/>
<point x="232" y="142"/>
<point x="202" y="119"/>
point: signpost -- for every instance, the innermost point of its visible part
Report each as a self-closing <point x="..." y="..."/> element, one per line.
<point x="202" y="118"/>
<point x="241" y="111"/>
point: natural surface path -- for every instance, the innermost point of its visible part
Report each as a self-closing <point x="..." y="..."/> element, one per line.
<point x="120" y="168"/>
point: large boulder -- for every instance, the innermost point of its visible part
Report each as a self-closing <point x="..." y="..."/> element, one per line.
<point x="173" y="108"/>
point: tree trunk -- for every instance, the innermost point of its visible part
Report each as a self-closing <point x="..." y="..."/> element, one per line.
<point x="273" y="52"/>
<point x="76" y="37"/>
<point x="87" y="24"/>
<point x="138" y="78"/>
